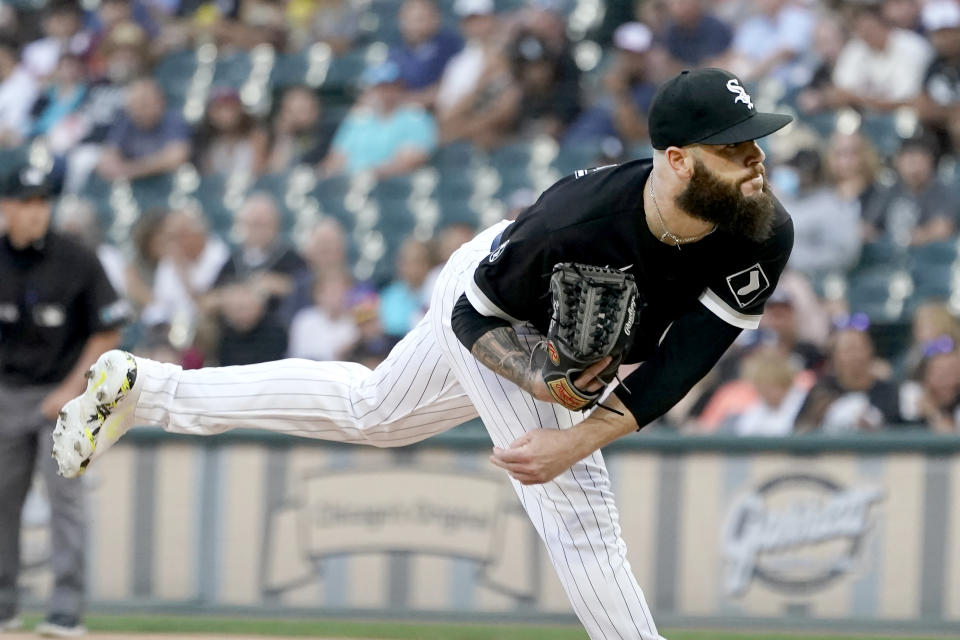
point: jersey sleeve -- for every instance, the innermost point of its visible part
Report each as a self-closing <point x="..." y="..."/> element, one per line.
<point x="513" y="278"/>
<point x="691" y="346"/>
<point x="741" y="287"/>
<point x="512" y="283"/>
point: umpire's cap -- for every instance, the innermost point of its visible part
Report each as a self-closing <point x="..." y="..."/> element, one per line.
<point x="30" y="182"/>
<point x="707" y="106"/>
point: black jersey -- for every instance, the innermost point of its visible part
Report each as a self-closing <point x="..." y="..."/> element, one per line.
<point x="53" y="297"/>
<point x="597" y="217"/>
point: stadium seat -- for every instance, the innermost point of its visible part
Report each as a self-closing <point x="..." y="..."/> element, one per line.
<point x="152" y="192"/>
<point x="332" y="192"/>
<point x="174" y="72"/>
<point x="933" y="254"/>
<point x="882" y="131"/>
<point x="344" y="73"/>
<point x="868" y="291"/>
<point x="232" y="70"/>
<point x="310" y="66"/>
<point x="572" y="157"/>
<point x="395" y="225"/>
<point x="511" y="182"/>
<point x="12" y="158"/>
<point x="454" y="155"/>
<point x="395" y="188"/>
<point x="211" y="194"/>
<point x="278" y="186"/>
<point x="880" y="252"/>
<point x="290" y="69"/>
<point x="511" y="157"/>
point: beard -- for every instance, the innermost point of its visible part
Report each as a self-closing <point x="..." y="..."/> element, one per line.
<point x="710" y="198"/>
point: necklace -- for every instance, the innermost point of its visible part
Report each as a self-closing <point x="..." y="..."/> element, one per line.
<point x="677" y="240"/>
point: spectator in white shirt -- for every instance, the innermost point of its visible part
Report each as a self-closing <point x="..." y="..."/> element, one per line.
<point x="478" y="25"/>
<point x="882" y="67"/>
<point x="191" y="264"/>
<point x="18" y="92"/>
<point x="63" y="34"/>
<point x="326" y="330"/>
<point x="779" y="394"/>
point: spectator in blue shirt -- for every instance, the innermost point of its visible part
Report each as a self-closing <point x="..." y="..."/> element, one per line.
<point x="383" y="133"/>
<point x="426" y="48"/>
<point x="55" y="109"/>
<point x="147" y="140"/>
<point x="693" y="36"/>
<point x="404" y="301"/>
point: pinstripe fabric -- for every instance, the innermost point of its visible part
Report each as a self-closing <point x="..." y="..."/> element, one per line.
<point x="428" y="384"/>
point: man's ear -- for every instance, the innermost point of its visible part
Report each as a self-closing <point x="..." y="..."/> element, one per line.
<point x="681" y="161"/>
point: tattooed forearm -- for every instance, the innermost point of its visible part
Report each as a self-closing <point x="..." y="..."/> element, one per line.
<point x="500" y="351"/>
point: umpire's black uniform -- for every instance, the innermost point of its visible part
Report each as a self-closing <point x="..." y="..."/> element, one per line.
<point x="54" y="297"/>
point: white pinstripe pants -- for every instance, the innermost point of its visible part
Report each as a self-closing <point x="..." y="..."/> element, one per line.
<point x="428" y="384"/>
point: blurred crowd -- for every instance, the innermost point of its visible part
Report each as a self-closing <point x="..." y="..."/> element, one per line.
<point x="347" y="147"/>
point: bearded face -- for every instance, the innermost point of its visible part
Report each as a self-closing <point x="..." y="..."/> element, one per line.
<point x="713" y="199"/>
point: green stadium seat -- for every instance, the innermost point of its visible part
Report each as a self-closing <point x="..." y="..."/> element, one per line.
<point x="12" y="159"/>
<point x="882" y="131"/>
<point x="934" y="254"/>
<point x="395" y="188"/>
<point x="868" y="291"/>
<point x="344" y="73"/>
<point x="289" y="69"/>
<point x="210" y="194"/>
<point x="459" y="155"/>
<point x="152" y="192"/>
<point x="278" y="186"/>
<point x="572" y="157"/>
<point x="511" y="157"/>
<point x="174" y="72"/>
<point x="879" y="253"/>
<point x="232" y="70"/>
<point x="331" y="192"/>
<point x="931" y="281"/>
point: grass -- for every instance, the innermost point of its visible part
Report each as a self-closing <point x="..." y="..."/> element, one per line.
<point x="406" y="631"/>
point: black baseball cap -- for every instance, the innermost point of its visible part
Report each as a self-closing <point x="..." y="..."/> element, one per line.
<point x="29" y="182"/>
<point x="707" y="106"/>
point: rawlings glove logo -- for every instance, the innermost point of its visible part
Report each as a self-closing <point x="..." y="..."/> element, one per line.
<point x="631" y="314"/>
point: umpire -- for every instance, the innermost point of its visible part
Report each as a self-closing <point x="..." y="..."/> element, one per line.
<point x="58" y="313"/>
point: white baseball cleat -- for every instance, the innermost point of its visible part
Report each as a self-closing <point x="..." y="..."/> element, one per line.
<point x="89" y="424"/>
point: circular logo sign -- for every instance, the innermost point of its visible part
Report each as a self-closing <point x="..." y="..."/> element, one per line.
<point x="795" y="533"/>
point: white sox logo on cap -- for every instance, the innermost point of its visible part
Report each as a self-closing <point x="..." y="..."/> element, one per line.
<point x="733" y="86"/>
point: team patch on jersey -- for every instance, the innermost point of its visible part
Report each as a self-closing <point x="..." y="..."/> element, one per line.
<point x="747" y="285"/>
<point x="493" y="257"/>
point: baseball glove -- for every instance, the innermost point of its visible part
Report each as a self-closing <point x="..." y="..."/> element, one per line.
<point x="594" y="313"/>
